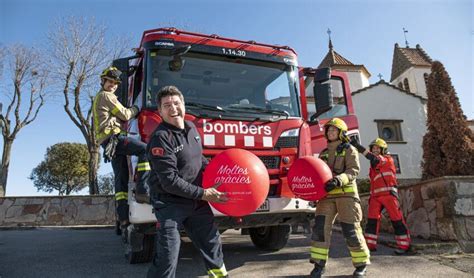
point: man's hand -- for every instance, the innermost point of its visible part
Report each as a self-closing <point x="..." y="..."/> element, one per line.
<point x="332" y="184"/>
<point x="358" y="146"/>
<point x="212" y="195"/>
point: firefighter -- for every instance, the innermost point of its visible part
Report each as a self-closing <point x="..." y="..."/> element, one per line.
<point x="342" y="201"/>
<point x="175" y="154"/>
<point x="109" y="116"/>
<point x="383" y="194"/>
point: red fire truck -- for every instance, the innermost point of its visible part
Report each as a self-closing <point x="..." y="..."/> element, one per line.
<point x="239" y="94"/>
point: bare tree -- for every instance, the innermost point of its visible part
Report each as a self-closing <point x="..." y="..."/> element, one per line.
<point x="25" y="68"/>
<point x="79" y="50"/>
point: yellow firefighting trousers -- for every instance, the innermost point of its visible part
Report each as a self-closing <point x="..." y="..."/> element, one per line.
<point x="349" y="214"/>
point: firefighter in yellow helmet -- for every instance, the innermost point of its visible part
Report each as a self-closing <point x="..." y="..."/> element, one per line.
<point x="383" y="194"/>
<point x="109" y="117"/>
<point x="342" y="201"/>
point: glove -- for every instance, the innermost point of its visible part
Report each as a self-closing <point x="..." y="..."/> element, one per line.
<point x="356" y="144"/>
<point x="345" y="138"/>
<point x="332" y="184"/>
<point x="373" y="159"/>
<point x="109" y="150"/>
<point x="136" y="108"/>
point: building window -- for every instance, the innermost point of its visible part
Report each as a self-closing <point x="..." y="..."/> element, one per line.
<point x="400" y="85"/>
<point x="407" y="86"/>
<point x="396" y="161"/>
<point x="390" y="130"/>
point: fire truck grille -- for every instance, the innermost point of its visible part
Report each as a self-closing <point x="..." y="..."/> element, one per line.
<point x="271" y="162"/>
<point x="287" y="142"/>
<point x="273" y="191"/>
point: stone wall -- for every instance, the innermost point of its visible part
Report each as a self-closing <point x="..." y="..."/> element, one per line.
<point x="56" y="211"/>
<point x="440" y="209"/>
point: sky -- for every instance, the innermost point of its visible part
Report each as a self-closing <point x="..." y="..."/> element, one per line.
<point x="363" y="31"/>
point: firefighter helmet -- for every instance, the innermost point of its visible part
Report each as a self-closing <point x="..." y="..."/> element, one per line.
<point x="339" y="124"/>
<point x="380" y="143"/>
<point x="111" y="73"/>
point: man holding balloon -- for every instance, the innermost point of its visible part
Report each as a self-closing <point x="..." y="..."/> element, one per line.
<point x="175" y="155"/>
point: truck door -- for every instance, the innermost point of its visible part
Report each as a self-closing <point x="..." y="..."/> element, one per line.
<point x="325" y="99"/>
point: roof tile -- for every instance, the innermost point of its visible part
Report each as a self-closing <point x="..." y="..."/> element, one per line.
<point x="405" y="58"/>
<point x="383" y="82"/>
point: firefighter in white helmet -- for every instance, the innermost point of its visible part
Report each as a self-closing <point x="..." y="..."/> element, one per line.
<point x="109" y="116"/>
<point x="342" y="201"/>
<point x="383" y="194"/>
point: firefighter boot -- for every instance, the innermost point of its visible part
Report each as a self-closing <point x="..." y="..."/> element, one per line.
<point x="360" y="271"/>
<point x="317" y="272"/>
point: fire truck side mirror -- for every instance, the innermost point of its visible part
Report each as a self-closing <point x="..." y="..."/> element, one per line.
<point x="122" y="91"/>
<point x="322" y="75"/>
<point x="323" y="96"/>
<point x="123" y="64"/>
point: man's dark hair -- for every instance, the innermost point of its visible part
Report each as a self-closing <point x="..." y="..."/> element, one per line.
<point x="168" y="91"/>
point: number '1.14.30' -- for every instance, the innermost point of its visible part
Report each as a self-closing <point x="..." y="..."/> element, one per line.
<point x="234" y="52"/>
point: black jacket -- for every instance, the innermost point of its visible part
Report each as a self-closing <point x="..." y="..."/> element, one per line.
<point x="176" y="161"/>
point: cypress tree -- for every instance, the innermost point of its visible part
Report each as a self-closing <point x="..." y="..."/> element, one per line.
<point x="448" y="145"/>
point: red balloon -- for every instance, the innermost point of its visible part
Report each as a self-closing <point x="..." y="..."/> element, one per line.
<point x="244" y="179"/>
<point x="307" y="178"/>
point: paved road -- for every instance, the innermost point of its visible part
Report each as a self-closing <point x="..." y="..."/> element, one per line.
<point x="98" y="253"/>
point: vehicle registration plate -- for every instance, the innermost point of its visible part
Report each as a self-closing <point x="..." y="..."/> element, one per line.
<point x="265" y="206"/>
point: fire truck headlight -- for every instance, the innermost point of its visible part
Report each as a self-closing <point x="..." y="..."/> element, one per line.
<point x="291" y="133"/>
<point x="288" y="139"/>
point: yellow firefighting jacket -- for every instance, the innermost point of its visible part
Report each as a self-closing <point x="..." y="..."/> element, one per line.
<point x="109" y="115"/>
<point x="343" y="159"/>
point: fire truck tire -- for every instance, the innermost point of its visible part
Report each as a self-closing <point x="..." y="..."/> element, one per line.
<point x="143" y="256"/>
<point x="270" y="238"/>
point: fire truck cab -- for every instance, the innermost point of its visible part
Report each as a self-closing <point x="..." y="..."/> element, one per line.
<point x="239" y="94"/>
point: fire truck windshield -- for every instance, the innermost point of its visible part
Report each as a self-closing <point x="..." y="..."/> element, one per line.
<point x="237" y="86"/>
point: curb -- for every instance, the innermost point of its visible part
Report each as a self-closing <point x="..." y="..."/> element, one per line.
<point x="75" y="227"/>
<point x="430" y="247"/>
<point x="422" y="246"/>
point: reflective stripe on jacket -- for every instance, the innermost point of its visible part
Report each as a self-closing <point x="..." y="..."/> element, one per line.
<point x="345" y="167"/>
<point x="382" y="176"/>
<point x="109" y="114"/>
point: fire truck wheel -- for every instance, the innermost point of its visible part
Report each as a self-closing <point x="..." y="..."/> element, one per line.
<point x="143" y="256"/>
<point x="271" y="238"/>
